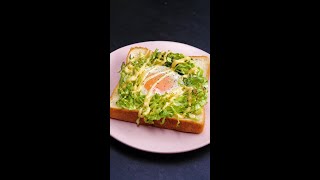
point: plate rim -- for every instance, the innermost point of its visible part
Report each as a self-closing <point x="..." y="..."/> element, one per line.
<point x="162" y="42"/>
<point x="206" y="143"/>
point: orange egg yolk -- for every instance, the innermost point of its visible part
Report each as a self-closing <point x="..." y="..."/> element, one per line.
<point x="164" y="85"/>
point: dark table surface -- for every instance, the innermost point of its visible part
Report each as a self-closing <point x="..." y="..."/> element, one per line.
<point x="172" y="20"/>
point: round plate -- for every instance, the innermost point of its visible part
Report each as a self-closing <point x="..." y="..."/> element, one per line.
<point x="148" y="138"/>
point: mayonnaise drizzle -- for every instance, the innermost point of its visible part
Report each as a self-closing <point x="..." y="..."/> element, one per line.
<point x="179" y="61"/>
<point x="149" y="96"/>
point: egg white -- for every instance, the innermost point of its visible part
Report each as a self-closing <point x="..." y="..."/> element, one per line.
<point x="173" y="75"/>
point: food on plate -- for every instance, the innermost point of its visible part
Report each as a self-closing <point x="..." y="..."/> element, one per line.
<point x="163" y="89"/>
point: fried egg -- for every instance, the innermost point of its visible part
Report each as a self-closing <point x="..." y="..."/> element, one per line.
<point x="162" y="78"/>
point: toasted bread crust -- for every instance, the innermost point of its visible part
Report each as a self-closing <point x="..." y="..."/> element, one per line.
<point x="170" y="123"/>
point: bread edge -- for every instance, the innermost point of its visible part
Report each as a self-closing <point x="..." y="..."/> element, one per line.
<point x="170" y="123"/>
<point x="207" y="59"/>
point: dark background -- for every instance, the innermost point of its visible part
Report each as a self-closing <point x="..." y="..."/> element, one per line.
<point x="57" y="90"/>
<point x="138" y="21"/>
<point x="181" y="21"/>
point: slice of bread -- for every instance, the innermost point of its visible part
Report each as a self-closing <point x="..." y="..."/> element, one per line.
<point x="186" y="125"/>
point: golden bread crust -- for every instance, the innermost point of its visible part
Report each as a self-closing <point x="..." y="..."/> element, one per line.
<point x="170" y="123"/>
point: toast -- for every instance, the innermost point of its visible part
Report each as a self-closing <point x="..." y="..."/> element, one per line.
<point x="184" y="124"/>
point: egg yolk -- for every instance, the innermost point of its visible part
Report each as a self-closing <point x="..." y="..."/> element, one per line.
<point x="164" y="85"/>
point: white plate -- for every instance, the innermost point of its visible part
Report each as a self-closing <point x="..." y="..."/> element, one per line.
<point x="152" y="139"/>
